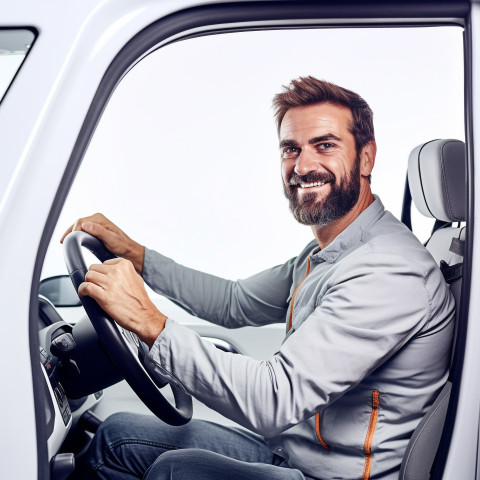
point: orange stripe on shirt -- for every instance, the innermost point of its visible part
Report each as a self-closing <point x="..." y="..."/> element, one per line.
<point x="295" y="293"/>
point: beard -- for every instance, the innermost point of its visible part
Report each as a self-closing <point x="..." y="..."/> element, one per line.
<point x="339" y="201"/>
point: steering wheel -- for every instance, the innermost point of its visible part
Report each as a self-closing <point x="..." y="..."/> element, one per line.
<point x="122" y="346"/>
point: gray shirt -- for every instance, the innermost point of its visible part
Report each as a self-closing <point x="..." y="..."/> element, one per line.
<point x="369" y="327"/>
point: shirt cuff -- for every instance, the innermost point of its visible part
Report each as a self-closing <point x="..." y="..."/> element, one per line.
<point x="153" y="358"/>
<point x="147" y="262"/>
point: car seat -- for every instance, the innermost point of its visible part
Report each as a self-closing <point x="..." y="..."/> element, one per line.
<point x="436" y="180"/>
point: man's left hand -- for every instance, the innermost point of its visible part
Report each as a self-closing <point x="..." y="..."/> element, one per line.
<point x="120" y="291"/>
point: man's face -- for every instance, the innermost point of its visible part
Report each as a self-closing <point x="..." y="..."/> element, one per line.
<point x="320" y="164"/>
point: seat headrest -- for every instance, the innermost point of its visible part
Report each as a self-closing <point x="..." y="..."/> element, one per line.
<point x="438" y="180"/>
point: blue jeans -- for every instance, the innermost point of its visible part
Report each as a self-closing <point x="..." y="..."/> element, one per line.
<point x="131" y="446"/>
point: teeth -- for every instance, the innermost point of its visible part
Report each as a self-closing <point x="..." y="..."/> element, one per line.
<point x="309" y="185"/>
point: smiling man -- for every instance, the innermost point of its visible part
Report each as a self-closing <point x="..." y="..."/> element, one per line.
<point x="369" y="322"/>
<point x="325" y="178"/>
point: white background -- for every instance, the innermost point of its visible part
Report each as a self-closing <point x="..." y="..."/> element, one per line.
<point x="185" y="158"/>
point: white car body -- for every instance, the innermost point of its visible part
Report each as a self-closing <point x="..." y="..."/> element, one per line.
<point x="41" y="117"/>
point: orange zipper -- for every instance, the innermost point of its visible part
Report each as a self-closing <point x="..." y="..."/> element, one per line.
<point x="367" y="446"/>
<point x="295" y="293"/>
<point x="317" y="431"/>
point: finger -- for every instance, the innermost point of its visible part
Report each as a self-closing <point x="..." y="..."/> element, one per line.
<point x="97" y="278"/>
<point x="95" y="229"/>
<point x="91" y="290"/>
<point x="120" y="263"/>
<point x="115" y="261"/>
<point x="69" y="230"/>
<point x="78" y="225"/>
<point x="98" y="267"/>
<point x="101" y="268"/>
<point x="73" y="228"/>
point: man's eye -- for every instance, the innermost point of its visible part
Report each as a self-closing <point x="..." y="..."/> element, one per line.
<point x="290" y="151"/>
<point x="325" y="145"/>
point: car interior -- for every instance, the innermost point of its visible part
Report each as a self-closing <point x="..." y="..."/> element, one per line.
<point x="436" y="182"/>
<point x="85" y="356"/>
<point x="77" y="368"/>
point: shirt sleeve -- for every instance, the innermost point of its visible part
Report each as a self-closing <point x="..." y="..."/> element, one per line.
<point x="364" y="315"/>
<point x="258" y="300"/>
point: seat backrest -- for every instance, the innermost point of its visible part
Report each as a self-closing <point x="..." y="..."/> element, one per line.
<point x="437" y="180"/>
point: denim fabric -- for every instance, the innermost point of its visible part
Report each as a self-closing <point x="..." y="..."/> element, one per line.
<point x="130" y="446"/>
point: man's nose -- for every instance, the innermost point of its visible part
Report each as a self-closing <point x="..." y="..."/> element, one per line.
<point x="306" y="162"/>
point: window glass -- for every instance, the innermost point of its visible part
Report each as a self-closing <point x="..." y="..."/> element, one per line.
<point x="185" y="158"/>
<point x="14" y="46"/>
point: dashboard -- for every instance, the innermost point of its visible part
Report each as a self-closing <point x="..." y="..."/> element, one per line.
<point x="60" y="372"/>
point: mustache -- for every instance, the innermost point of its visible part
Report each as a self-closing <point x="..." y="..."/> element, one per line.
<point x="311" y="177"/>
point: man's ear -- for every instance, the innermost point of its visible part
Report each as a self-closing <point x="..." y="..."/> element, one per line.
<point x="367" y="158"/>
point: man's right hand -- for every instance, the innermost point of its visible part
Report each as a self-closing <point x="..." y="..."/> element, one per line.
<point x="117" y="241"/>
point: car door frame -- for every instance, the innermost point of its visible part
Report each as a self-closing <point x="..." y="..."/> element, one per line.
<point x="238" y="16"/>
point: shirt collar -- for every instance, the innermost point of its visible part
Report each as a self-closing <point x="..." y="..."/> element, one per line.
<point x="351" y="235"/>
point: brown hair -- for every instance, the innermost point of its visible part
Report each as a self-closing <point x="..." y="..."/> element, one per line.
<point x="309" y="90"/>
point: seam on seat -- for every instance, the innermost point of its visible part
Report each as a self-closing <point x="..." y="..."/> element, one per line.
<point x="420" y="176"/>
<point x="445" y="183"/>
